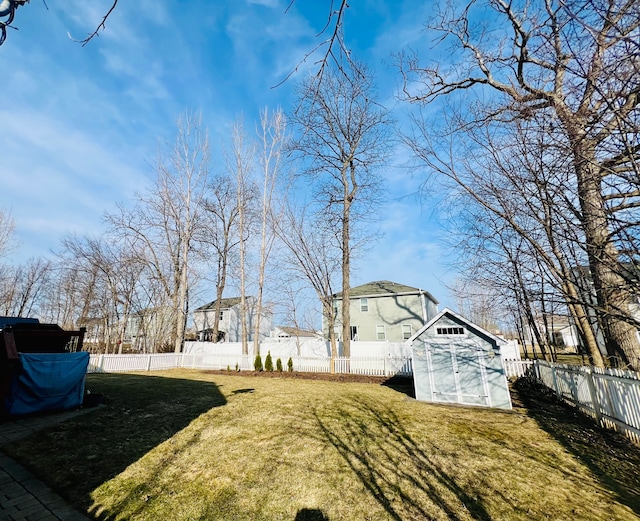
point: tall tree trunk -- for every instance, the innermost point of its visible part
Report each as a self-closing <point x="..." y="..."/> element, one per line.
<point x="612" y="295"/>
<point x="328" y="313"/>
<point x="242" y="246"/>
<point x="346" y="268"/>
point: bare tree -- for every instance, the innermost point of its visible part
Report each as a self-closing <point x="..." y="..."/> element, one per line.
<point x="163" y="226"/>
<point x="22" y="287"/>
<point x="114" y="274"/>
<point x="313" y="257"/>
<point x="343" y="137"/>
<point x="221" y="233"/>
<point x="7" y="228"/>
<point x="271" y="145"/>
<point x="579" y="69"/>
<point x="241" y="163"/>
<point x="518" y="216"/>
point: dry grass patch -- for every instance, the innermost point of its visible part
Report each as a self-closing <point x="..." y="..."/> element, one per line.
<point x="191" y="445"/>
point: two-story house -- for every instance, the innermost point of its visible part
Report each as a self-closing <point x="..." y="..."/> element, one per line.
<point x="384" y="311"/>
<point x="230" y="325"/>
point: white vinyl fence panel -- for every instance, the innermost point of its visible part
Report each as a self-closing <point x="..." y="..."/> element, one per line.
<point x="611" y="396"/>
<point x="223" y="360"/>
<point x="124" y="363"/>
<point x="372" y="366"/>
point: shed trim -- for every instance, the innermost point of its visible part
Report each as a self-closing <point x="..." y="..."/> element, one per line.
<point x="470" y="325"/>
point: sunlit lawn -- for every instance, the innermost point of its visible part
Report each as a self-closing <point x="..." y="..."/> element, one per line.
<point x="185" y="445"/>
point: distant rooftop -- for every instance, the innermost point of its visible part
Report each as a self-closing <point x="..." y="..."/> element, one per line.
<point x="296" y="331"/>
<point x="225" y="303"/>
<point x="384" y="287"/>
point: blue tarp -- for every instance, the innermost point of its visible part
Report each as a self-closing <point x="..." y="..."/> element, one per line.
<point x="48" y="382"/>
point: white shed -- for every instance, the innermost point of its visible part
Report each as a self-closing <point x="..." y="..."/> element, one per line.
<point x="456" y="361"/>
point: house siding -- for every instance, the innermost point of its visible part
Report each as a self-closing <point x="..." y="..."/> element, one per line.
<point x="231" y="323"/>
<point x="392" y="311"/>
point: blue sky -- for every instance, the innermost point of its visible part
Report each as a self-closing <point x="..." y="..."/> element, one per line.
<point x="81" y="125"/>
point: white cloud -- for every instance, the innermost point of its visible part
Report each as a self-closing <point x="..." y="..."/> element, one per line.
<point x="79" y="123"/>
<point x="266" y="3"/>
<point x="58" y="179"/>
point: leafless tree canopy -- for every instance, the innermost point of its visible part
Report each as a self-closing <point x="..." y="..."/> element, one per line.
<point x="342" y="141"/>
<point x="569" y="73"/>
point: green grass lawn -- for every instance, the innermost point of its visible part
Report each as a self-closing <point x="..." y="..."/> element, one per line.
<point x="186" y="445"/>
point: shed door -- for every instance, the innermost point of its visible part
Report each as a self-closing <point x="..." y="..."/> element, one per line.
<point x="458" y="376"/>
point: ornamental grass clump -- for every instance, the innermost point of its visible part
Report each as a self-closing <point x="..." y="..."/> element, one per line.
<point x="268" y="362"/>
<point x="257" y="363"/>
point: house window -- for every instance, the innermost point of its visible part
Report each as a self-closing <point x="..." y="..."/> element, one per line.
<point x="221" y="315"/>
<point x="450" y="331"/>
<point x="354" y="333"/>
<point x="364" y="305"/>
<point x="380" y="332"/>
<point x="406" y="331"/>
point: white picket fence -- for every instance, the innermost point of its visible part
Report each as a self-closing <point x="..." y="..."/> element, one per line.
<point x="372" y="366"/>
<point x="611" y="396"/>
<point x="517" y="368"/>
<point x="364" y="365"/>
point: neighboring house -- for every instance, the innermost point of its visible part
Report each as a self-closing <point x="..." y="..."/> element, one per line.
<point x="384" y="311"/>
<point x="149" y="330"/>
<point x="559" y="331"/>
<point x="280" y="333"/>
<point x="230" y="325"/>
<point x="457" y="361"/>
<point x="631" y="274"/>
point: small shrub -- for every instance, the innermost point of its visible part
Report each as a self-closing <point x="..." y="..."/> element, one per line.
<point x="268" y="362"/>
<point x="237" y="368"/>
<point x="290" y="365"/>
<point x="228" y="369"/>
<point x="257" y="363"/>
<point x="279" y="365"/>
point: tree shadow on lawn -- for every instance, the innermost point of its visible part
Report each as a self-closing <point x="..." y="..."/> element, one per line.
<point x="612" y="459"/>
<point x="79" y="455"/>
<point x="398" y="471"/>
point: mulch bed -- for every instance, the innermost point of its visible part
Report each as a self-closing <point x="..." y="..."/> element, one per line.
<point x="326" y="377"/>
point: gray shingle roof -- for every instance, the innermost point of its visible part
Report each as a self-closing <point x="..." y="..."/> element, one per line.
<point x="383" y="287"/>
<point x="225" y="303"/>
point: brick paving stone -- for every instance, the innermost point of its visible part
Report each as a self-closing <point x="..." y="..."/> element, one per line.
<point x="32" y="509"/>
<point x="23" y="497"/>
<point x="41" y="516"/>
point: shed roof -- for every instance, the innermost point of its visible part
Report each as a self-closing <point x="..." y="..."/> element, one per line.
<point x="470" y="325"/>
<point x="382" y="288"/>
